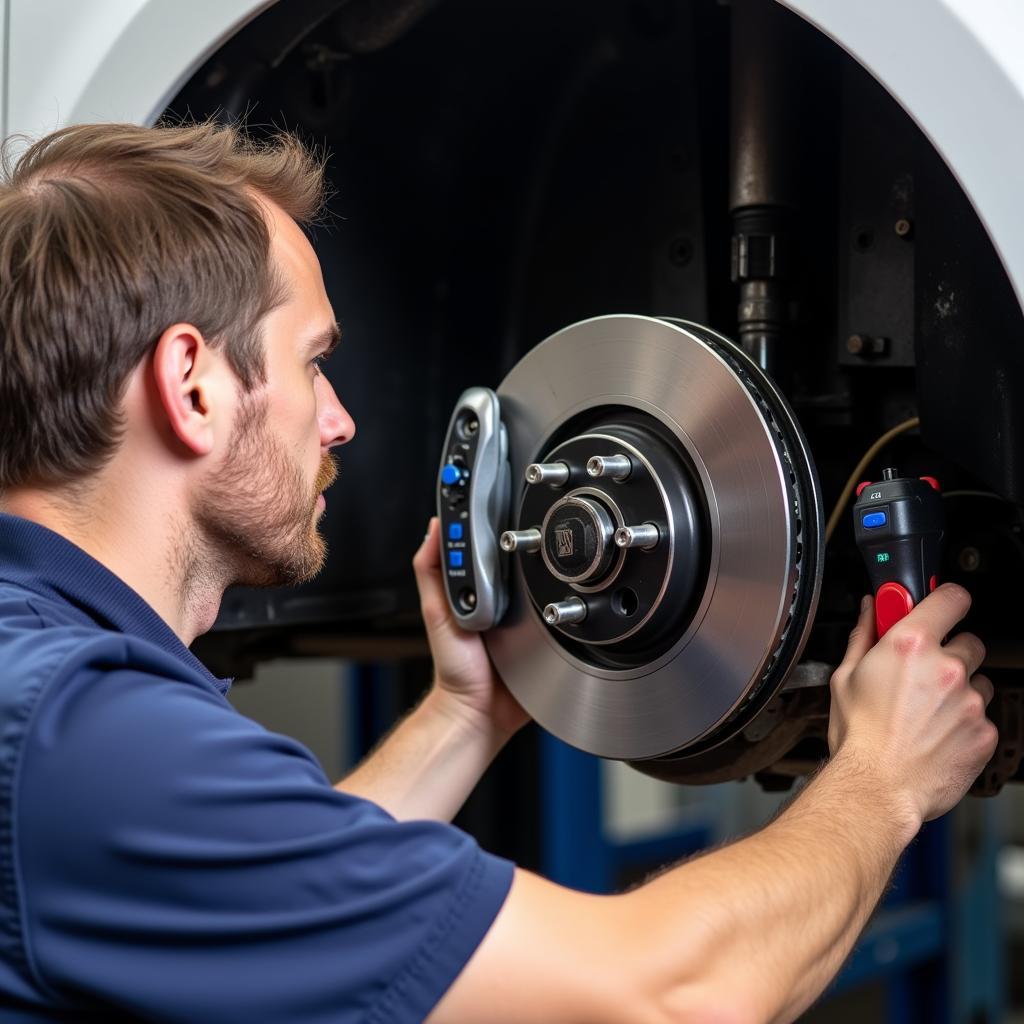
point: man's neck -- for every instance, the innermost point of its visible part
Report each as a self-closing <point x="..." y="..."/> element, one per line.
<point x="151" y="549"/>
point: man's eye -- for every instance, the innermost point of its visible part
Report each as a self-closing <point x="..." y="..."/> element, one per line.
<point x="317" y="362"/>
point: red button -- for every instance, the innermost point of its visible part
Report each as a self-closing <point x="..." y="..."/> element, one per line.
<point x="932" y="481"/>
<point x="932" y="584"/>
<point x="861" y="486"/>
<point x="892" y="603"/>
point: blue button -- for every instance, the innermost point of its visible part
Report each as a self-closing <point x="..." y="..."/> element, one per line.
<point x="450" y="475"/>
<point x="874" y="519"/>
<point x="455" y="531"/>
<point x="455" y="559"/>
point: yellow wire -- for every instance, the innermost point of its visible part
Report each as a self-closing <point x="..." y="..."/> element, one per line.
<point x="857" y="474"/>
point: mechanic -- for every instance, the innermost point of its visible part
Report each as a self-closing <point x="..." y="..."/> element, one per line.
<point x="166" y="432"/>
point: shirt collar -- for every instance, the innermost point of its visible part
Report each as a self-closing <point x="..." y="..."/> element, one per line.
<point x="42" y="561"/>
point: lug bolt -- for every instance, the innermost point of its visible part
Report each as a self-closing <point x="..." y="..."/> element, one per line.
<point x="618" y="467"/>
<point x="564" y="613"/>
<point x="520" y="540"/>
<point x="644" y="537"/>
<point x="554" y="473"/>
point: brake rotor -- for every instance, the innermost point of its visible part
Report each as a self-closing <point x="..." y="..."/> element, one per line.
<point x="676" y="565"/>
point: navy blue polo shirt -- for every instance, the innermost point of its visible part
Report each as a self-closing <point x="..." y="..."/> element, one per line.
<point x="164" y="857"/>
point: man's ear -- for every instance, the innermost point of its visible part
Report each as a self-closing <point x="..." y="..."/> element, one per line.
<point x="183" y="368"/>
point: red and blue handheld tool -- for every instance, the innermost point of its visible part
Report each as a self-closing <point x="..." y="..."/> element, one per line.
<point x="899" y="524"/>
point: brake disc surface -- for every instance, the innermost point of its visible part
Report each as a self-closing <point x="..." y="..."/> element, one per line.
<point x="682" y="643"/>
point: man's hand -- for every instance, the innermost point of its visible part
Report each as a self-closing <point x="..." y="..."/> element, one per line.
<point x="465" y="682"/>
<point x="910" y="711"/>
<point x="429" y="764"/>
<point x="756" y="929"/>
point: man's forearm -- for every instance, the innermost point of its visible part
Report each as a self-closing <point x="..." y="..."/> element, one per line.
<point x="780" y="911"/>
<point x="429" y="764"/>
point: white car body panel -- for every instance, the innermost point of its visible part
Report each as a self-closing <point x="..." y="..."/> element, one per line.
<point x="957" y="67"/>
<point x="72" y="61"/>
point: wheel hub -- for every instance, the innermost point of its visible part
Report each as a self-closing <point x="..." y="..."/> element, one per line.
<point x="623" y="479"/>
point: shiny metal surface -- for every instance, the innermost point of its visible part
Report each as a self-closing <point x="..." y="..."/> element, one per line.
<point x="565" y="613"/>
<point x="604" y="530"/>
<point x="667" y="705"/>
<point x="645" y="536"/>
<point x="554" y="473"/>
<point x="520" y="540"/>
<point x="616" y="467"/>
<point x="585" y="588"/>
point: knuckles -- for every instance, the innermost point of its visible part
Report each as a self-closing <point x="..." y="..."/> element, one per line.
<point x="984" y="742"/>
<point x="984" y="686"/>
<point x="990" y="736"/>
<point x="974" y="705"/>
<point x="952" y="674"/>
<point x="976" y="649"/>
<point x="909" y="641"/>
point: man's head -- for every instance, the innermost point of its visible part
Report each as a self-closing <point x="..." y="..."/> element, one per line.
<point x="160" y="304"/>
<point x="262" y="500"/>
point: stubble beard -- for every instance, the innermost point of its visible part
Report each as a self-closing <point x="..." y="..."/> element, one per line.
<point x="257" y="516"/>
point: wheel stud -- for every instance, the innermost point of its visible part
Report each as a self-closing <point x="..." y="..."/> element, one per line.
<point x="644" y="537"/>
<point x="617" y="467"/>
<point x="520" y="540"/>
<point x="565" y="613"/>
<point x="554" y="473"/>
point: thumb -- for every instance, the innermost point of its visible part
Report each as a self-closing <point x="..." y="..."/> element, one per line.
<point x="429" y="554"/>
<point x="862" y="638"/>
<point x="427" y="566"/>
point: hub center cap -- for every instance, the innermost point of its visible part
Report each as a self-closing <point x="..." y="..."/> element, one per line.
<point x="578" y="546"/>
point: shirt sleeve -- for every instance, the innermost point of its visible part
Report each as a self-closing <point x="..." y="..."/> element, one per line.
<point x="179" y="862"/>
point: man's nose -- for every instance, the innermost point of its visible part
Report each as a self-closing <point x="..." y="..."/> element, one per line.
<point x="336" y="425"/>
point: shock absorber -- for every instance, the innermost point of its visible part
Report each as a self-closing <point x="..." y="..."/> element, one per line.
<point x="765" y="98"/>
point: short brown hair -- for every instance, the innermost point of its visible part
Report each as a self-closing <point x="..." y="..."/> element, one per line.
<point x="110" y="234"/>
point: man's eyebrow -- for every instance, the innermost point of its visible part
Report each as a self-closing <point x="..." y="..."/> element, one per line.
<point x="326" y="341"/>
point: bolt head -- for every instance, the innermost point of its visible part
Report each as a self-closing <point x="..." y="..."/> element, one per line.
<point x="969" y="559"/>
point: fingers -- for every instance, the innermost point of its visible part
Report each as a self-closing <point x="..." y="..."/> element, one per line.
<point x="969" y="649"/>
<point x="426" y="564"/>
<point x="862" y="637"/>
<point x="937" y="614"/>
<point x="429" y="554"/>
<point x="984" y="686"/>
